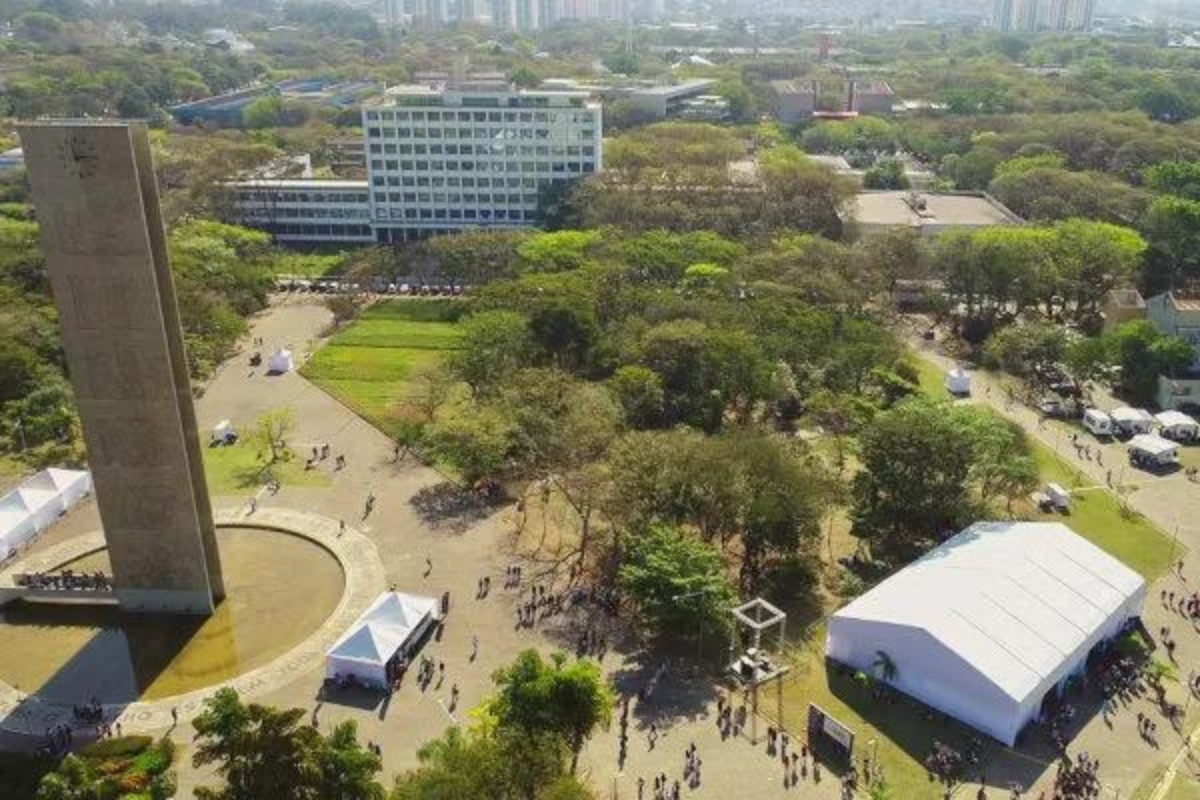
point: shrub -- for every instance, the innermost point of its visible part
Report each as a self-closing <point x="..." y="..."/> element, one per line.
<point x="112" y="748"/>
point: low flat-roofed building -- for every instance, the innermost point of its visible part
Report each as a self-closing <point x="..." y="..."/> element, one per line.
<point x="307" y="210"/>
<point x="1122" y="305"/>
<point x="871" y="97"/>
<point x="795" y="101"/>
<point x="669" y="99"/>
<point x="929" y="212"/>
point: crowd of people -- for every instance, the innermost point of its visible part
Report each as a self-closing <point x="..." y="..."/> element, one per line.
<point x="67" y="580"/>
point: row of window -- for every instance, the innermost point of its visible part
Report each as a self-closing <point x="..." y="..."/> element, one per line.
<point x="321" y="231"/>
<point x="379" y="165"/>
<point x="306" y="212"/>
<point x="303" y="197"/>
<point x="454" y="197"/>
<point x="487" y="214"/>
<point x="575" y="134"/>
<point x="510" y="150"/>
<point x="454" y="182"/>
<point x="575" y="117"/>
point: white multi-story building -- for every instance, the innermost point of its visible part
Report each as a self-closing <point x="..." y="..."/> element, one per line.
<point x="441" y="159"/>
<point x="438" y="159"/>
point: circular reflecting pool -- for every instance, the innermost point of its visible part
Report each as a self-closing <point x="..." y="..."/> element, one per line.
<point x="279" y="587"/>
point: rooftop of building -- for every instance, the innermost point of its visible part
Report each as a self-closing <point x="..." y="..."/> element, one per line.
<point x="793" y="86"/>
<point x="931" y="208"/>
<point x="873" y="87"/>
<point x="676" y="89"/>
<point x="311" y="184"/>
<point x="1185" y="299"/>
<point x="1127" y="298"/>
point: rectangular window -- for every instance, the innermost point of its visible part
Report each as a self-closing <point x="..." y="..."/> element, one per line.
<point x="375" y="149"/>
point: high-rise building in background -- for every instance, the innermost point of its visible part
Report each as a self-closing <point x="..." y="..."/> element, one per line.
<point x="1002" y="16"/>
<point x="1042" y="15"/>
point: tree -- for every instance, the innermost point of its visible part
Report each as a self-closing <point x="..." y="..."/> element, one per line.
<point x="428" y="387"/>
<point x="677" y="583"/>
<point x="1021" y="349"/>
<point x="264" y="112"/>
<point x="1143" y="353"/>
<point x="914" y="484"/>
<point x="260" y="751"/>
<point x="884" y="667"/>
<point x="344" y="308"/>
<point x="491" y="765"/>
<point x="70" y="781"/>
<point x="474" y="436"/>
<point x="886" y="174"/>
<point x="494" y="344"/>
<point x="1180" y="178"/>
<point x="271" y="430"/>
<point x="567" y="698"/>
<point x="640" y="393"/>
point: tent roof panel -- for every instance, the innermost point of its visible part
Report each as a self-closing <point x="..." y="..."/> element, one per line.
<point x="1153" y="444"/>
<point x="1012" y="599"/>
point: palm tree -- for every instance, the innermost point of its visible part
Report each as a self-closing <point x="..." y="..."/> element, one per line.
<point x="883" y="667"/>
<point x="880" y="791"/>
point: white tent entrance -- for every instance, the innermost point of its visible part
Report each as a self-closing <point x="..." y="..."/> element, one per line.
<point x="387" y="630"/>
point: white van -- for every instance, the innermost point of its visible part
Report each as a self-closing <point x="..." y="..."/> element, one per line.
<point x="1099" y="423"/>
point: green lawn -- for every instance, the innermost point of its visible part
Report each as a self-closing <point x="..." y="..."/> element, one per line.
<point x="366" y="365"/>
<point x="897" y="736"/>
<point x="238" y="470"/>
<point x="932" y="379"/>
<point x="1098" y="516"/>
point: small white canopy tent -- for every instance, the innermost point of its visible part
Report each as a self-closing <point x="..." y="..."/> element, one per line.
<point x="986" y="625"/>
<point x="1177" y="425"/>
<point x="393" y="621"/>
<point x="281" y="361"/>
<point x="958" y="381"/>
<point x="1132" y="420"/>
<point x="1154" y="447"/>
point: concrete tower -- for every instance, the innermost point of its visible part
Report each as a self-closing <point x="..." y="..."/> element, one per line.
<point x="102" y="234"/>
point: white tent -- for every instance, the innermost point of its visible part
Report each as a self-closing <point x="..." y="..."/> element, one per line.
<point x="281" y="361"/>
<point x="1132" y="420"/>
<point x="37" y="502"/>
<point x="1154" y="447"/>
<point x="990" y="623"/>
<point x="1177" y="425"/>
<point x="394" y="621"/>
<point x="71" y="485"/>
<point x="958" y="381"/>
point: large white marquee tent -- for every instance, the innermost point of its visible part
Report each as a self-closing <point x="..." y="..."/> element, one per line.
<point x="36" y="503"/>
<point x="394" y="621"/>
<point x="985" y="626"/>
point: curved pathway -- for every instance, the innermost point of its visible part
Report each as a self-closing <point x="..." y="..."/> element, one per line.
<point x="363" y="572"/>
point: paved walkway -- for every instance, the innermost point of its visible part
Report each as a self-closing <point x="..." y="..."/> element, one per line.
<point x="1172" y="503"/>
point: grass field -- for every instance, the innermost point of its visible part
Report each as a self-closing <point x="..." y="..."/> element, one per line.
<point x="366" y="365"/>
<point x="1098" y="516"/>
<point x="238" y="470"/>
